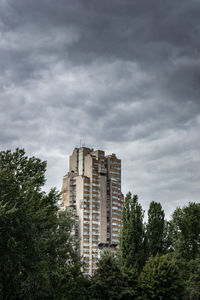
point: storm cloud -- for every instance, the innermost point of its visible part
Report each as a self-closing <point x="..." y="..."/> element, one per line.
<point x="119" y="75"/>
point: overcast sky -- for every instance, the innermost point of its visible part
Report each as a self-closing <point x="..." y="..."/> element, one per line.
<point x="119" y="75"/>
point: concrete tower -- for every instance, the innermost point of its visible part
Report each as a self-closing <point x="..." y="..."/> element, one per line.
<point x="92" y="189"/>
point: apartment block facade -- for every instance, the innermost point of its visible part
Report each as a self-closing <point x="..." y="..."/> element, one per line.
<point x="92" y="190"/>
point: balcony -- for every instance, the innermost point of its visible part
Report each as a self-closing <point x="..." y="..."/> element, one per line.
<point x="95" y="222"/>
<point x="102" y="170"/>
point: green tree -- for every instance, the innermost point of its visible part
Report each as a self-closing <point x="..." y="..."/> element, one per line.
<point x="108" y="281"/>
<point x="35" y="239"/>
<point x="185" y="239"/>
<point x="193" y="280"/>
<point x="72" y="284"/>
<point x="131" y="276"/>
<point x="168" y="246"/>
<point x="132" y="234"/>
<point x="155" y="229"/>
<point x="186" y="231"/>
<point x="160" y="279"/>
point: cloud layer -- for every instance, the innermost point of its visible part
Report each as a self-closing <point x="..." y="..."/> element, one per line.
<point x="122" y="76"/>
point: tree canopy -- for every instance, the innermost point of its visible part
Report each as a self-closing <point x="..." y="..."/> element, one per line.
<point x="160" y="279"/>
<point x="36" y="244"/>
<point x="132" y="234"/>
<point x="38" y="253"/>
<point x="108" y="281"/>
<point x="186" y="231"/>
<point x="155" y="229"/>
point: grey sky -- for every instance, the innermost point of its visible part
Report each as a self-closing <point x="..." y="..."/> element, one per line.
<point x="120" y="75"/>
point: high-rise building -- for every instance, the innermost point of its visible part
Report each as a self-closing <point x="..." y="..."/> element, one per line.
<point x="92" y="189"/>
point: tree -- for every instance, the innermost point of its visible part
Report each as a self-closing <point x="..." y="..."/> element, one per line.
<point x="72" y="284"/>
<point x="155" y="229"/>
<point x="185" y="225"/>
<point x="168" y="246"/>
<point x="35" y="239"/>
<point x="160" y="279"/>
<point x="186" y="231"/>
<point x="108" y="281"/>
<point x="193" y="279"/>
<point x="132" y="234"/>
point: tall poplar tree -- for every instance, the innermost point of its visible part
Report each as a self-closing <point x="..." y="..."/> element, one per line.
<point x="155" y="229"/>
<point x="132" y="234"/>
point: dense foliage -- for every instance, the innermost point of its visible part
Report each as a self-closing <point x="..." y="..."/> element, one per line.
<point x="38" y="256"/>
<point x="132" y="234"/>
<point x="160" y="279"/>
<point x="36" y="245"/>
<point x="185" y="227"/>
<point x="170" y="251"/>
<point x="109" y="282"/>
<point x="155" y="229"/>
